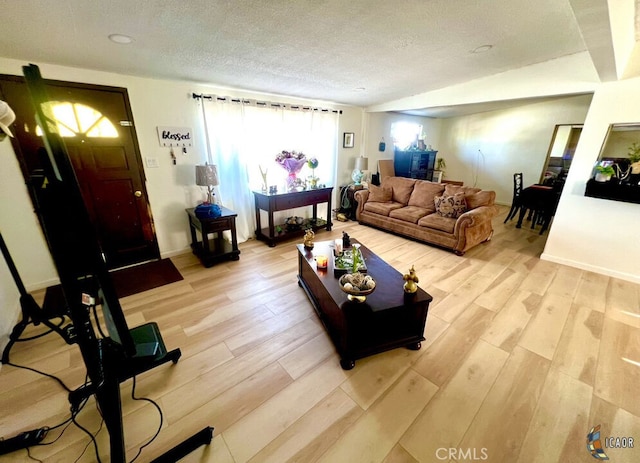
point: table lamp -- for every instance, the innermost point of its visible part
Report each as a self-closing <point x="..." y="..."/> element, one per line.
<point x="361" y="164"/>
<point x="207" y="175"/>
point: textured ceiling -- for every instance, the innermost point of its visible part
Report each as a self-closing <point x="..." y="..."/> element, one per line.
<point x="358" y="52"/>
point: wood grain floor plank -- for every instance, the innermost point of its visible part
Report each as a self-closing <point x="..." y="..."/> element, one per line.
<point x="492" y="330"/>
<point x="543" y="332"/>
<point x="623" y="302"/>
<point x="517" y="389"/>
<point x="592" y="291"/>
<point x="456" y="302"/>
<point x="374" y="435"/>
<point x="554" y="436"/>
<point x="508" y="325"/>
<point x="308" y="356"/>
<point x="441" y="359"/>
<point x="268" y="421"/>
<point x="618" y="370"/>
<point x="376" y="374"/>
<point x="449" y="414"/>
<point x="577" y="351"/>
<point x="539" y="277"/>
<point x="496" y="295"/>
<point x="310" y="436"/>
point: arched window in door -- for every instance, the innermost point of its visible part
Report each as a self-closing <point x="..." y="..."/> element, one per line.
<point x="74" y="119"/>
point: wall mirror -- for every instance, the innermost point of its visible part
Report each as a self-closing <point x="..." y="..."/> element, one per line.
<point x="618" y="144"/>
<point x="617" y="176"/>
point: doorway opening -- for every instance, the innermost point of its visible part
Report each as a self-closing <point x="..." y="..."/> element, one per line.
<point x="560" y="154"/>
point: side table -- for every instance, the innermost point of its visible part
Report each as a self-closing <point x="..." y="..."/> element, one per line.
<point x="212" y="251"/>
<point x="349" y="194"/>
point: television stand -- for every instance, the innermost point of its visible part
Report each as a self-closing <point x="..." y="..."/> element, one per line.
<point x="31" y="311"/>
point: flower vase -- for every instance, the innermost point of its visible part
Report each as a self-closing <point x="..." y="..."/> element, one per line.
<point x="292" y="180"/>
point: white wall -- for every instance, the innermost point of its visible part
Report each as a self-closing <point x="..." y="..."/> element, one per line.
<point x="590" y="233"/>
<point x="23" y="237"/>
<point x="486" y="149"/>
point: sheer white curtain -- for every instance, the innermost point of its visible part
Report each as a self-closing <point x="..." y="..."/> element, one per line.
<point x="243" y="138"/>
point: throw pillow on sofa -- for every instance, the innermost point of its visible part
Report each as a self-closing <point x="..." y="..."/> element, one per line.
<point x="451" y="206"/>
<point x="379" y="194"/>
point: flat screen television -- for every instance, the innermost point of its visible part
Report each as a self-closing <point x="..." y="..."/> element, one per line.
<point x="69" y="232"/>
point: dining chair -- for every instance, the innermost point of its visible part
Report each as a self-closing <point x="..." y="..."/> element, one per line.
<point x="516" y="202"/>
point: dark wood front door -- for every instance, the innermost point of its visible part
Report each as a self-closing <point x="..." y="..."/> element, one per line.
<point x="97" y="127"/>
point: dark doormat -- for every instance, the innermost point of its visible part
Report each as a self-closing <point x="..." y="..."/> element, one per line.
<point x="128" y="281"/>
<point x="139" y="278"/>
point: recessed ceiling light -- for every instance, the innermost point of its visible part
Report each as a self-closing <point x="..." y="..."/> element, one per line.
<point x="360" y="89"/>
<point x="120" y="38"/>
<point x="482" y="49"/>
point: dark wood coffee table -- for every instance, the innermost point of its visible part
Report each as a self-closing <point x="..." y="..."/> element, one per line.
<point x="386" y="320"/>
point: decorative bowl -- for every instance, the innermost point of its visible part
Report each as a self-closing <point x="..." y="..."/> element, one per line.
<point x="357" y="286"/>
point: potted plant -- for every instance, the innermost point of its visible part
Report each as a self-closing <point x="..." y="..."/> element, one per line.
<point x="634" y="158"/>
<point x="604" y="173"/>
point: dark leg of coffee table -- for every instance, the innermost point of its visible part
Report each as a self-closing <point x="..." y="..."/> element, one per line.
<point x="347" y="364"/>
<point x="415" y="346"/>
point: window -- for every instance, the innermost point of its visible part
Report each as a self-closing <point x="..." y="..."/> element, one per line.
<point x="77" y="119"/>
<point x="405" y="134"/>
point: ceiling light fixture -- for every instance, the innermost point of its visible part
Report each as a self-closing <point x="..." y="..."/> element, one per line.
<point x="482" y="49"/>
<point x="120" y="38"/>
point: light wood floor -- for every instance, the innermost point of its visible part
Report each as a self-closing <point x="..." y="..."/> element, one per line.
<point x="522" y="357"/>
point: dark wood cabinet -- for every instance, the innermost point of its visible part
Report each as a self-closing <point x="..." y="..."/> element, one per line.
<point x="414" y="163"/>
<point x="614" y="190"/>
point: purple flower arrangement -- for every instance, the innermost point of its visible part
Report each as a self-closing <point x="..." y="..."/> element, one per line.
<point x="292" y="162"/>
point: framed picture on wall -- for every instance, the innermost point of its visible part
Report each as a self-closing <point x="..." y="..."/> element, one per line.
<point x="347" y="140"/>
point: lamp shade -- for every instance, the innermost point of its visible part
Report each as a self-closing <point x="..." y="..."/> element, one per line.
<point x="207" y="175"/>
<point x="362" y="163"/>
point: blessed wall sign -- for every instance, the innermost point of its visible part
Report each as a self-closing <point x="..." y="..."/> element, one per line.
<point x="174" y="136"/>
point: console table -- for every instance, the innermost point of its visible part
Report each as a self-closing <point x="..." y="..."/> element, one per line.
<point x="216" y="249"/>
<point x="283" y="201"/>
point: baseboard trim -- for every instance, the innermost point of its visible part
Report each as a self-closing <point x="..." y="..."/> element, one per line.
<point x="591" y="268"/>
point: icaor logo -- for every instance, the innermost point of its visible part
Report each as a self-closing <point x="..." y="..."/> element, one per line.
<point x="452" y="453"/>
<point x="594" y="446"/>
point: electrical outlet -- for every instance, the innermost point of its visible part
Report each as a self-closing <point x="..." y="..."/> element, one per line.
<point x="152" y="162"/>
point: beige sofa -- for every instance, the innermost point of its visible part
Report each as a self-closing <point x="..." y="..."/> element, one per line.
<point x="449" y="216"/>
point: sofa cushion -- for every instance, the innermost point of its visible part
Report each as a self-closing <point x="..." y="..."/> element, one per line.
<point x="451" y="189"/>
<point x="379" y="194"/>
<point x="481" y="198"/>
<point x="437" y="222"/>
<point x="424" y="193"/>
<point x="410" y="213"/>
<point x="451" y="206"/>
<point x="381" y="208"/>
<point x="401" y="187"/>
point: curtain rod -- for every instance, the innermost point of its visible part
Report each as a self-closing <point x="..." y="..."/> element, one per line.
<point x="263" y="104"/>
